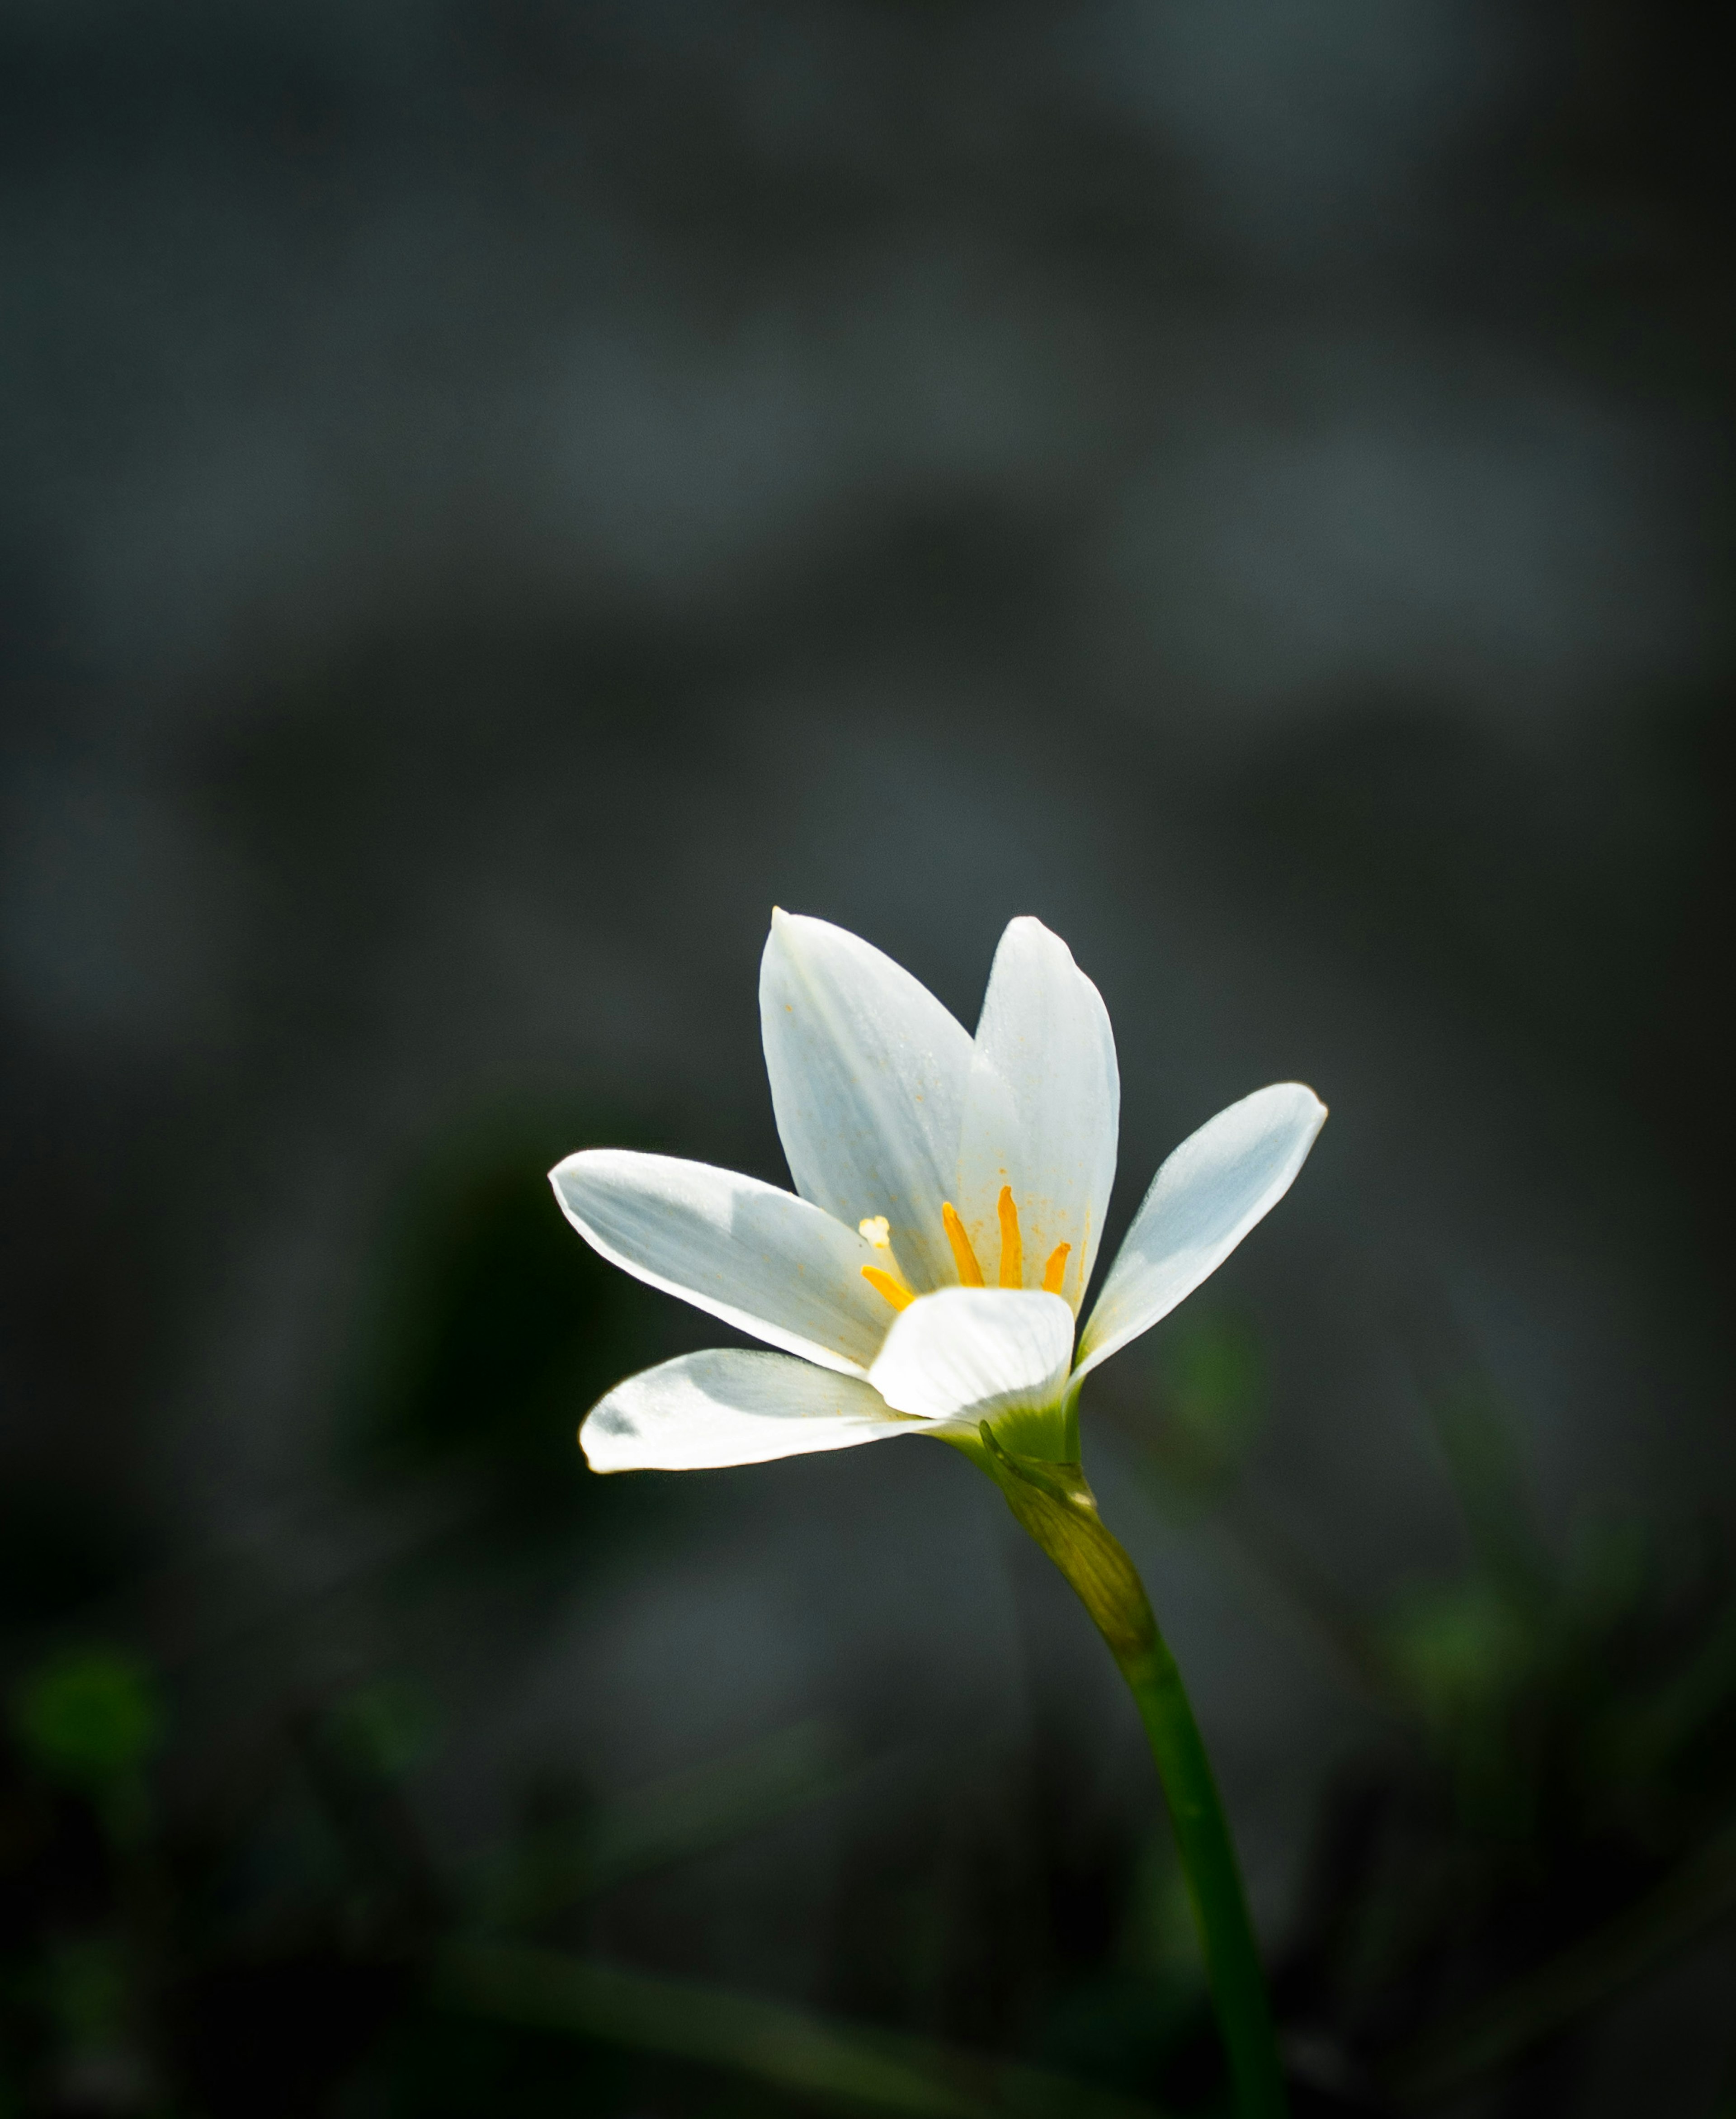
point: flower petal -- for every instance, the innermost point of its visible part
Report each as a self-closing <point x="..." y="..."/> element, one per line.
<point x="729" y="1407"/>
<point x="1042" y="1108"/>
<point x="976" y="1351"/>
<point x="758" y="1258"/>
<point x="1209" y="1194"/>
<point x="867" y="1077"/>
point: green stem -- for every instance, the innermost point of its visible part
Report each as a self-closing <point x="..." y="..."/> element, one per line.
<point x="1214" y="1881"/>
<point x="1055" y="1504"/>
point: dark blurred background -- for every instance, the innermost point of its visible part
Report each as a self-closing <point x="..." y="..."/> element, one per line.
<point x="496" y="495"/>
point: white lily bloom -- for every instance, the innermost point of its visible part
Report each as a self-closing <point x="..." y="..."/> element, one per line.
<point x="926" y="1273"/>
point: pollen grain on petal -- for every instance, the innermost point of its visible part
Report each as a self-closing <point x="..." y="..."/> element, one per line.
<point x="878" y="1230"/>
<point x="1012" y="1245"/>
<point x="1055" y="1271"/>
<point x="970" y="1273"/>
<point x="895" y="1292"/>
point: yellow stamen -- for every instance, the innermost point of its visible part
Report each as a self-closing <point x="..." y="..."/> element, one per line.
<point x="970" y="1273"/>
<point x="1012" y="1247"/>
<point x="895" y="1292"/>
<point x="887" y="1280"/>
<point x="1055" y="1271"/>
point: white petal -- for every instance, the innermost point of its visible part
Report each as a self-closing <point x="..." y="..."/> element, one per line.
<point x="760" y="1259"/>
<point x="1041" y="1110"/>
<point x="1204" y="1199"/>
<point x="731" y="1407"/>
<point x="976" y="1351"/>
<point x="867" y="1082"/>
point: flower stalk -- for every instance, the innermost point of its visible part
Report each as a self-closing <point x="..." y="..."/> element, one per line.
<point x="1054" y="1504"/>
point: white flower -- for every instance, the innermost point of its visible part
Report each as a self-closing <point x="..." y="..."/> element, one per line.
<point x="925" y="1274"/>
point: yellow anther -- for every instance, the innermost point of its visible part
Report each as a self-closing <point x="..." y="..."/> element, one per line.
<point x="1012" y="1247"/>
<point x="970" y="1273"/>
<point x="895" y="1292"/>
<point x="1055" y="1271"/>
<point x="887" y="1280"/>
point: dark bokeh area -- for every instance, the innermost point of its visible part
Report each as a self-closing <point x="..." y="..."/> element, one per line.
<point x="494" y="496"/>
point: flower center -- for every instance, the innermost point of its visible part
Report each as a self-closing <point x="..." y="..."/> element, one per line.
<point x="888" y="1280"/>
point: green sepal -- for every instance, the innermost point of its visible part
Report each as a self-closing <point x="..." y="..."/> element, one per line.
<point x="1054" y="1504"/>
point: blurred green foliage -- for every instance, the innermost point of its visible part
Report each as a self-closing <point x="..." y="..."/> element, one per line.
<point x="387" y="1727"/>
<point x="90" y="1717"/>
<point x="1212" y="1387"/>
<point x="489" y="1329"/>
<point x="1549" y="1815"/>
<point x="423" y="1985"/>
